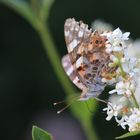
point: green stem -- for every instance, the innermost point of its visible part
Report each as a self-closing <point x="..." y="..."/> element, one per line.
<point x="121" y="68"/>
<point x="34" y="6"/>
<point x="54" y="57"/>
<point x="89" y="130"/>
<point x="135" y="101"/>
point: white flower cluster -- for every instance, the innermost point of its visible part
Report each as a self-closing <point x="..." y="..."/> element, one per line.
<point x="132" y="121"/>
<point x="125" y="79"/>
<point x="115" y="40"/>
<point x="126" y="88"/>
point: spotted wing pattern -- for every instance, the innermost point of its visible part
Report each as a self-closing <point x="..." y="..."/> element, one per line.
<point x="69" y="69"/>
<point x="87" y="54"/>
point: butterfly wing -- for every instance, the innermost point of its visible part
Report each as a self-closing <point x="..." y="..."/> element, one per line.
<point x="76" y="33"/>
<point x="70" y="71"/>
<point x="87" y="54"/>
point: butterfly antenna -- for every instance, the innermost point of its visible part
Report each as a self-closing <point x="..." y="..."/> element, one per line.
<point x="60" y="102"/>
<point x="72" y="99"/>
<point x="100" y="100"/>
<point x="64" y="108"/>
<point x="106" y="102"/>
<point x="65" y="100"/>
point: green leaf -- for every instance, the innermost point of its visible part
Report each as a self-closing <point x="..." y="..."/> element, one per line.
<point x="21" y="7"/>
<point x="40" y="134"/>
<point x="129" y="134"/>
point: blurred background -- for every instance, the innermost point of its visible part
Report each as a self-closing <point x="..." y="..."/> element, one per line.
<point x="28" y="84"/>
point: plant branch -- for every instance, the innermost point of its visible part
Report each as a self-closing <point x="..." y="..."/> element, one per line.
<point x="54" y="57"/>
<point x="135" y="101"/>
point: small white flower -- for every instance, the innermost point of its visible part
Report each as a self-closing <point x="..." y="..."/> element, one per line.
<point x="124" y="88"/>
<point x="122" y="122"/>
<point x="134" y="120"/>
<point x="116" y="40"/>
<point x="112" y="110"/>
<point x="117" y="36"/>
<point x="131" y="66"/>
<point x="119" y="100"/>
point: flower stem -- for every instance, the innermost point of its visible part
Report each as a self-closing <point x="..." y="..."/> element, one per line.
<point x="88" y="127"/>
<point x="135" y="101"/>
<point x="34" y="6"/>
<point x="121" y="68"/>
<point x="54" y="57"/>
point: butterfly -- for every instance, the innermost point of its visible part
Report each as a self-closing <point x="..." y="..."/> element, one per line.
<point x="87" y="61"/>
